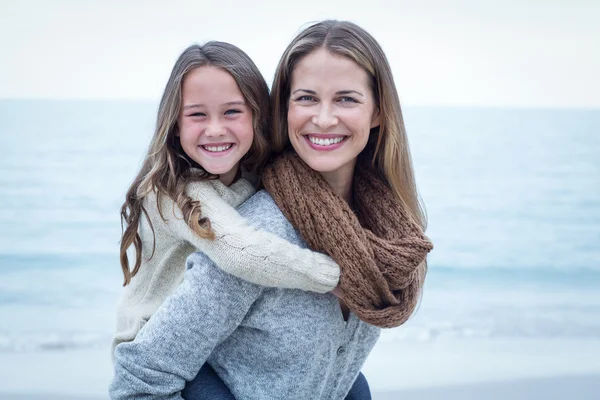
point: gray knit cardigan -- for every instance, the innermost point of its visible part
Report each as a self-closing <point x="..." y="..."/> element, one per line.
<point x="265" y="343"/>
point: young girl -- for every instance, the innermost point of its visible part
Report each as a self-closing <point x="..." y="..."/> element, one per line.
<point x="211" y="127"/>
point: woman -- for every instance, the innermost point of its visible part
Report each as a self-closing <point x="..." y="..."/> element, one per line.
<point x="344" y="181"/>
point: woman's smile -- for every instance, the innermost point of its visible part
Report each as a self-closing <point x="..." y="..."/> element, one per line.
<point x="329" y="142"/>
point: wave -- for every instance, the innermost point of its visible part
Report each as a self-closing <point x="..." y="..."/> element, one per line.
<point x="410" y="332"/>
<point x="76" y="258"/>
<point x="574" y="275"/>
<point x="53" y="341"/>
<point x="465" y="331"/>
<point x="433" y="322"/>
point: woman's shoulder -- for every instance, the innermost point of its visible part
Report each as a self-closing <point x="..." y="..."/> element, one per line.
<point x="260" y="200"/>
<point x="260" y="206"/>
<point x="262" y="212"/>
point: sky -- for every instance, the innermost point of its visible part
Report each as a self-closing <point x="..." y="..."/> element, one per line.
<point x="530" y="53"/>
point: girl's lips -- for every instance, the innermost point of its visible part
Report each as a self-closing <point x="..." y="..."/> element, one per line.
<point x="202" y="147"/>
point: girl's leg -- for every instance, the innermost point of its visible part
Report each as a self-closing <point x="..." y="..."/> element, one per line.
<point x="206" y="386"/>
<point x="360" y="389"/>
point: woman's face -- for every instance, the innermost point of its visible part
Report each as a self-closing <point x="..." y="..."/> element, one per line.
<point x="331" y="112"/>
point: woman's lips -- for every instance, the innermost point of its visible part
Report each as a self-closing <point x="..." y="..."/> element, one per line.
<point x="326" y="142"/>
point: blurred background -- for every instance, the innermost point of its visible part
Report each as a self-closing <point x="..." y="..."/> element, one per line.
<point x="501" y="101"/>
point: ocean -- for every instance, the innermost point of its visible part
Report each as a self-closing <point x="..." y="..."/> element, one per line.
<point x="512" y="196"/>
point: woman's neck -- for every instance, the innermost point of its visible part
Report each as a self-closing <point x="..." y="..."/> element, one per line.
<point x="340" y="181"/>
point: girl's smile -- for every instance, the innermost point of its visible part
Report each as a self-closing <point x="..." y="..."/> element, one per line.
<point x="215" y="123"/>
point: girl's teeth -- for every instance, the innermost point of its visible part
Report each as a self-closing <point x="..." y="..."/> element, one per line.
<point x="325" y="142"/>
<point x="217" y="149"/>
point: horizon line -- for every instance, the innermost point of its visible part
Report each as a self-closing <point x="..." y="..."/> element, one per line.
<point x="403" y="104"/>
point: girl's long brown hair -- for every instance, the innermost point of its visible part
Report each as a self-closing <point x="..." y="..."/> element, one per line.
<point x="167" y="170"/>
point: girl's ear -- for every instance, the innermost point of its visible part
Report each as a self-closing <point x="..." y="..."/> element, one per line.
<point x="375" y="120"/>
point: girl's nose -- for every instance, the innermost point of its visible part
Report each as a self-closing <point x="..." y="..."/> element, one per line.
<point x="215" y="128"/>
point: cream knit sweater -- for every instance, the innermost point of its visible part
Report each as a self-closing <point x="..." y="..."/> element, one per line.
<point x="239" y="249"/>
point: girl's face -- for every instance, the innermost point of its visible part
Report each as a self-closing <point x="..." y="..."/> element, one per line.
<point x="331" y="112"/>
<point x="215" y="123"/>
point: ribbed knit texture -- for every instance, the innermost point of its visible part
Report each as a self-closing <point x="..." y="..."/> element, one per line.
<point x="382" y="261"/>
<point x="239" y="249"/>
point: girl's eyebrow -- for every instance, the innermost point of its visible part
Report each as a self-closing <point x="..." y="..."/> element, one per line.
<point x="231" y="103"/>
<point x="339" y="92"/>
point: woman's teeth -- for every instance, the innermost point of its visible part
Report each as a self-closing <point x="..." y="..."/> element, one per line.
<point x="216" y="149"/>
<point x="325" y="142"/>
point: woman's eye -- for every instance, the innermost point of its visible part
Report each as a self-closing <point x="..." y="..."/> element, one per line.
<point x="347" y="99"/>
<point x="231" y="112"/>
<point x="305" y="98"/>
<point x="197" y="114"/>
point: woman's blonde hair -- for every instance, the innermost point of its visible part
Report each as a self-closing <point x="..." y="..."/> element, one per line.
<point x="388" y="145"/>
<point x="166" y="169"/>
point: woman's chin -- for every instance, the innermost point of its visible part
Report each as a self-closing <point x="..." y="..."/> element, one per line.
<point x="322" y="165"/>
<point x="332" y="167"/>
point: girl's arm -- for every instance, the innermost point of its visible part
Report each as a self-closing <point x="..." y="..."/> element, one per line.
<point x="174" y="344"/>
<point x="252" y="254"/>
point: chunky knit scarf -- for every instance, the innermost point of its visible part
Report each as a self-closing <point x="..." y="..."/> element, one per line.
<point x="380" y="250"/>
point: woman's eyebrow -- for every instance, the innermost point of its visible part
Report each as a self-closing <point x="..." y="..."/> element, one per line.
<point x="304" y="90"/>
<point x="343" y="92"/>
<point x="339" y="92"/>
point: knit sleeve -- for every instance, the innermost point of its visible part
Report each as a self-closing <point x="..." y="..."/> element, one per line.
<point x="172" y="346"/>
<point x="253" y="254"/>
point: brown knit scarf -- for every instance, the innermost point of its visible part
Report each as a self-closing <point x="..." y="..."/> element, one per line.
<point x="381" y="251"/>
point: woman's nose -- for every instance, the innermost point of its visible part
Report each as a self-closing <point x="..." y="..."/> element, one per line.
<point x="325" y="118"/>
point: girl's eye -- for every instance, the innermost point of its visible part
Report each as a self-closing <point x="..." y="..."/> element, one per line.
<point x="197" y="114"/>
<point x="232" y="112"/>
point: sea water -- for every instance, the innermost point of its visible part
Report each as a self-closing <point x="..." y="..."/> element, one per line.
<point x="512" y="196"/>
